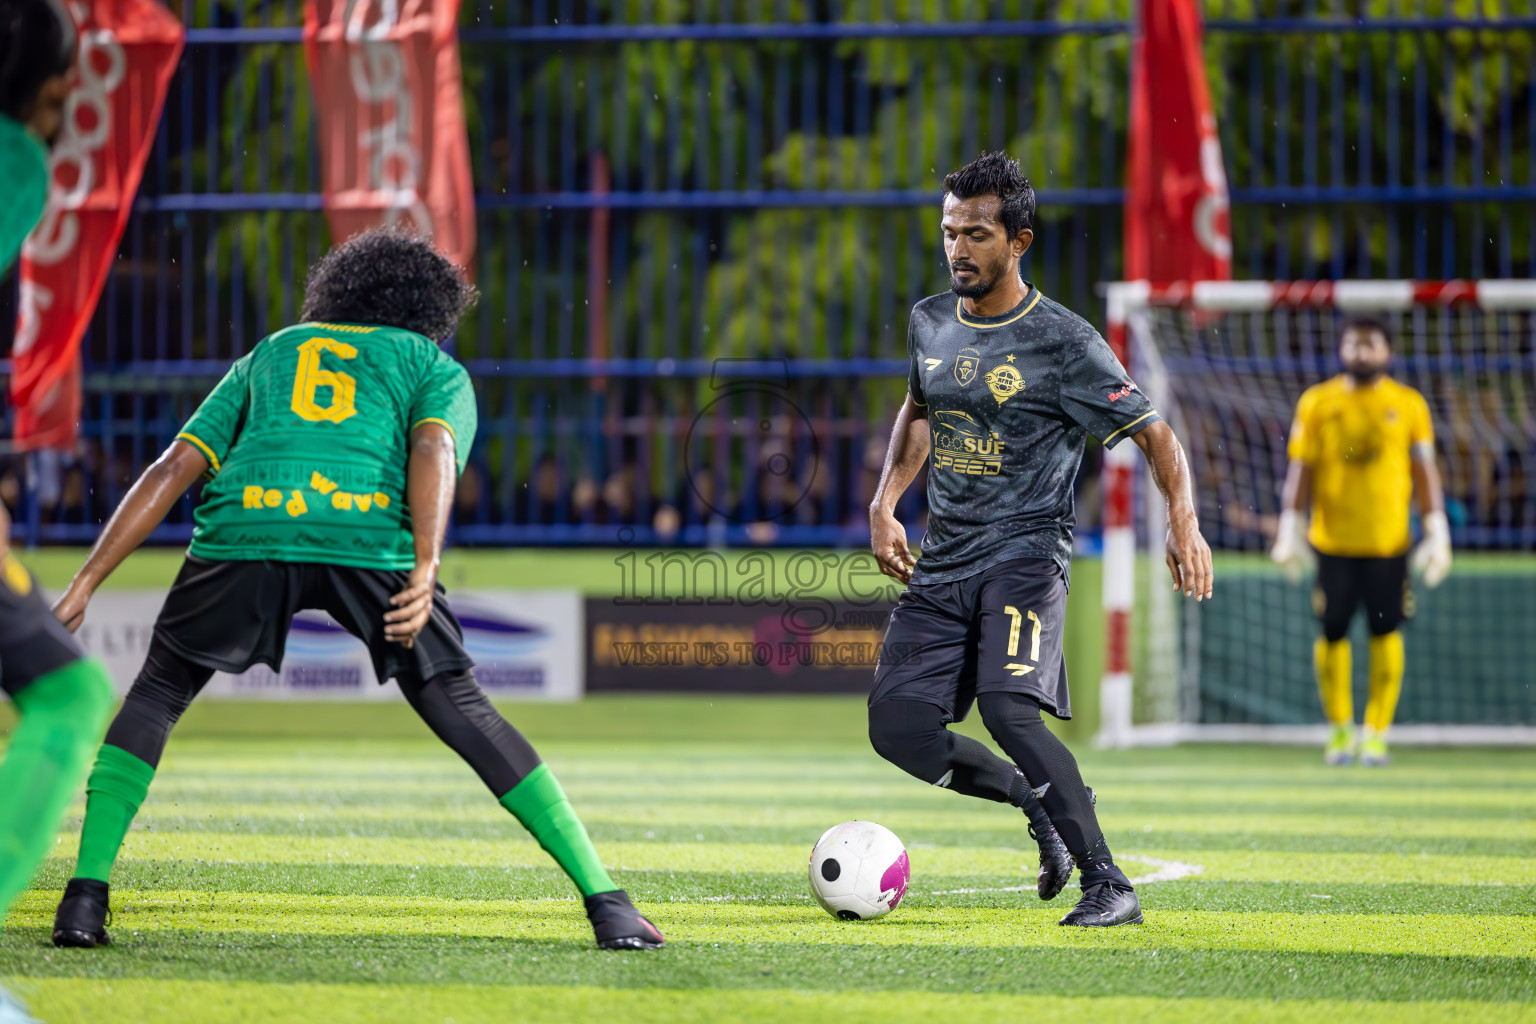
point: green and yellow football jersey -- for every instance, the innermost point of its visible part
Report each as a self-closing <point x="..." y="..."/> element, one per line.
<point x="307" y="440"/>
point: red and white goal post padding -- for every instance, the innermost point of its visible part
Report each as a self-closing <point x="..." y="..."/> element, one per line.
<point x="1127" y="299"/>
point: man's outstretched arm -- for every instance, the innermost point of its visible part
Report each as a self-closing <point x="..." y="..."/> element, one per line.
<point x="903" y="458"/>
<point x="1189" y="556"/>
<point x="142" y="509"/>
<point x="430" y="477"/>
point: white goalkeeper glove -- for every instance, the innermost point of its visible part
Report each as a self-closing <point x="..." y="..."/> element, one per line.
<point x="1432" y="558"/>
<point x="1291" y="548"/>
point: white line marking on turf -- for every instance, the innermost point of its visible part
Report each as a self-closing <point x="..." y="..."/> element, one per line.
<point x="1167" y="871"/>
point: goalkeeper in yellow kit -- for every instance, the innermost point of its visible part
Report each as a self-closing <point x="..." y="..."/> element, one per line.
<point x="1361" y="446"/>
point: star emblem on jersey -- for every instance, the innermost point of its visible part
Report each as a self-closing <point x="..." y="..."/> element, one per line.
<point x="966" y="364"/>
<point x="1004" y="381"/>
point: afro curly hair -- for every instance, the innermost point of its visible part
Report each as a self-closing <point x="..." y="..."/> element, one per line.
<point x="997" y="174"/>
<point x="391" y="277"/>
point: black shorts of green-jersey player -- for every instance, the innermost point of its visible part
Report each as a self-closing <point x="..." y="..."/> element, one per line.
<point x="62" y="697"/>
<point x="330" y="453"/>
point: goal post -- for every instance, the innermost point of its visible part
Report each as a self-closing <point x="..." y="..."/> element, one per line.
<point x="1225" y="362"/>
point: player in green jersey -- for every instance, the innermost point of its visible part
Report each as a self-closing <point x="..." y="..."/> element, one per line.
<point x="62" y="696"/>
<point x="331" y="452"/>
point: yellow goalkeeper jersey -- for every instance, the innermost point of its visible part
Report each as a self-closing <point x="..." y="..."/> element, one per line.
<point x="1358" y="442"/>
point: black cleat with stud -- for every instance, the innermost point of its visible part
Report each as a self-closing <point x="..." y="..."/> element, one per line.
<point x="618" y="925"/>
<point x="1104" y="906"/>
<point x="83" y="914"/>
<point x="1055" y="861"/>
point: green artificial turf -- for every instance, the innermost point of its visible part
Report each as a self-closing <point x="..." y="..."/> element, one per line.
<point x="328" y="862"/>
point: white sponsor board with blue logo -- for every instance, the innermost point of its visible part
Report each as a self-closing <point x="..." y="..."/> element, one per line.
<point x="527" y="645"/>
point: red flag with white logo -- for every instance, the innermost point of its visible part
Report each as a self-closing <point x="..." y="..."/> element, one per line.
<point x="1177" y="223"/>
<point x="393" y="145"/>
<point x="128" y="52"/>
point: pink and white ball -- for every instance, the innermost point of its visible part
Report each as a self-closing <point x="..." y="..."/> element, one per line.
<point x="859" y="871"/>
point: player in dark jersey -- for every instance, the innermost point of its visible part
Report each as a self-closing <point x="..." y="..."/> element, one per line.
<point x="1004" y="388"/>
<point x="62" y="697"/>
<point x="332" y="450"/>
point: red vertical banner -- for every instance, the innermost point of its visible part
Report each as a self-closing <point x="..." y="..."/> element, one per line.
<point x="393" y="146"/>
<point x="128" y="52"/>
<point x="1177" y="221"/>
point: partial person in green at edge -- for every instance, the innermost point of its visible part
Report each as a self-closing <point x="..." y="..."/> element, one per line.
<point x="61" y="696"/>
<point x="331" y="450"/>
<point x="37" y="54"/>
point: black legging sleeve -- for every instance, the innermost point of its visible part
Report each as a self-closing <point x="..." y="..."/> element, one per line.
<point x="912" y="735"/>
<point x="1013" y="719"/>
<point x="458" y="711"/>
<point x="163" y="690"/>
<point x="452" y="704"/>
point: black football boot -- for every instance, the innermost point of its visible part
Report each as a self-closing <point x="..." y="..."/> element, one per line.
<point x="1055" y="860"/>
<point x="83" y="915"/>
<point x="1104" y="906"/>
<point x="1108" y="898"/>
<point x="618" y="925"/>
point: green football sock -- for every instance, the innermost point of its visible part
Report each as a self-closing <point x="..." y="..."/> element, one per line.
<point x="541" y="805"/>
<point x="61" y="718"/>
<point x="116" y="788"/>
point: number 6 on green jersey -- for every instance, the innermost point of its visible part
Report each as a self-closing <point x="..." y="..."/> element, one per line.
<point x="311" y="376"/>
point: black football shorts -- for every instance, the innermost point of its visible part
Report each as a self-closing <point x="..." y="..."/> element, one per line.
<point x="999" y="631"/>
<point x="1344" y="583"/>
<point x="32" y="643"/>
<point x="232" y="615"/>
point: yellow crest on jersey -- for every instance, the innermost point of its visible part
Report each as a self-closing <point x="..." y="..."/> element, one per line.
<point x="1004" y="381"/>
<point x="966" y="362"/>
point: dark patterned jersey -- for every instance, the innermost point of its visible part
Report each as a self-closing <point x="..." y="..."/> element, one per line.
<point x="1011" y="399"/>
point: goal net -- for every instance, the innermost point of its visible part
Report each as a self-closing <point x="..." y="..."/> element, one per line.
<point x="1225" y="362"/>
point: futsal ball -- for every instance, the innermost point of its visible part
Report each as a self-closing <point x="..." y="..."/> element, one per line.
<point x="859" y="871"/>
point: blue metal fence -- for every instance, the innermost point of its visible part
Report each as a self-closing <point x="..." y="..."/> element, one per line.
<point x="662" y="186"/>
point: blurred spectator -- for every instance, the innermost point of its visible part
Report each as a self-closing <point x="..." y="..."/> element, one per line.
<point x="666" y="522"/>
<point x="584" y="501"/>
<point x="619" y="497"/>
